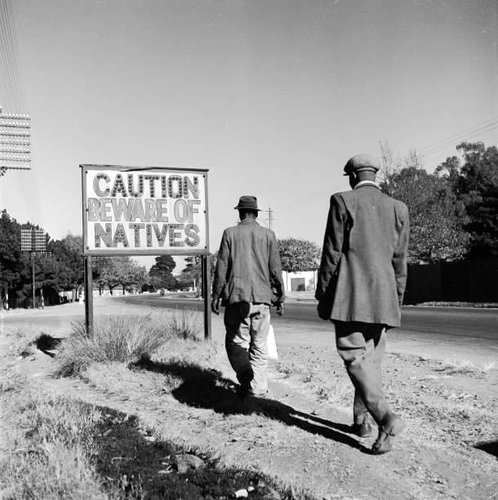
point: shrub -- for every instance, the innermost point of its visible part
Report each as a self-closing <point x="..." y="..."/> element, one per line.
<point x="117" y="338"/>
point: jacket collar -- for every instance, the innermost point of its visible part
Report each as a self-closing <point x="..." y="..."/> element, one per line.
<point x="367" y="183"/>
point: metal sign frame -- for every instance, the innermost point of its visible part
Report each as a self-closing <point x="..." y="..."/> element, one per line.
<point x="89" y="251"/>
<point x="166" y="171"/>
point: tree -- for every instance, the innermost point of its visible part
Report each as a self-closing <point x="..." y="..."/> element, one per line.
<point x="474" y="180"/>
<point x="191" y="275"/>
<point x="299" y="255"/>
<point x="15" y="265"/>
<point x="137" y="276"/>
<point x="161" y="275"/>
<point x="436" y="230"/>
<point x="67" y="259"/>
<point x="11" y="261"/>
<point x="388" y="163"/>
<point x="391" y="164"/>
<point x="116" y="271"/>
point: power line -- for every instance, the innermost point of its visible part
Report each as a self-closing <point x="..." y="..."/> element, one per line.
<point x="482" y="129"/>
<point x="11" y="87"/>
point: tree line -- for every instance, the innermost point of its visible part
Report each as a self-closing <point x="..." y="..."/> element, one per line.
<point x="453" y="216"/>
<point x="59" y="269"/>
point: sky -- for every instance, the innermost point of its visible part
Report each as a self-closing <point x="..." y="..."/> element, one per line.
<point x="272" y="96"/>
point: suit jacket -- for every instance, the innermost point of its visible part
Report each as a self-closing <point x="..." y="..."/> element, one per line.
<point x="248" y="268"/>
<point x="363" y="268"/>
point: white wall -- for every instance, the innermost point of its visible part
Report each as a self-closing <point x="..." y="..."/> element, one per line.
<point x="309" y="278"/>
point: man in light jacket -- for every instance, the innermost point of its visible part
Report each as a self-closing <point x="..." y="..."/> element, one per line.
<point x="360" y="289"/>
<point x="248" y="279"/>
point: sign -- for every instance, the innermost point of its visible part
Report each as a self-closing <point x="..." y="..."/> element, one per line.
<point x="144" y="210"/>
<point x="33" y="240"/>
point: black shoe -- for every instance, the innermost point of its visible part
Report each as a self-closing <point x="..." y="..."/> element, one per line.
<point x="242" y="391"/>
<point x="362" y="430"/>
<point x="244" y="388"/>
<point x="387" y="432"/>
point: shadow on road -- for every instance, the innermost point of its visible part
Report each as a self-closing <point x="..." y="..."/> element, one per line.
<point x="204" y="388"/>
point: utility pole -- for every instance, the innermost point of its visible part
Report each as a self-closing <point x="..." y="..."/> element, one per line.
<point x="270" y="217"/>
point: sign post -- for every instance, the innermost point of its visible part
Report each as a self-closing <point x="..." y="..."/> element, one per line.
<point x="206" y="294"/>
<point x="33" y="275"/>
<point x="34" y="241"/>
<point x="88" y="295"/>
<point x="144" y="211"/>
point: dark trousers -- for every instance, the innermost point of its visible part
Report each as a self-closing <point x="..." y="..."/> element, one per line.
<point x="361" y="347"/>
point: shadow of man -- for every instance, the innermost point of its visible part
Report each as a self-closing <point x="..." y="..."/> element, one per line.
<point x="206" y="388"/>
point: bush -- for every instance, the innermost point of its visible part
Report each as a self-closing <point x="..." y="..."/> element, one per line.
<point x="115" y="339"/>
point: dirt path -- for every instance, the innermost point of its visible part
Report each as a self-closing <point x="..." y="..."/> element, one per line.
<point x="302" y="437"/>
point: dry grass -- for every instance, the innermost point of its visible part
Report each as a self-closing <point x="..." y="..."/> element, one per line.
<point x="466" y="367"/>
<point x="124" y="339"/>
<point x="185" y="324"/>
<point x="47" y="445"/>
<point x="331" y="386"/>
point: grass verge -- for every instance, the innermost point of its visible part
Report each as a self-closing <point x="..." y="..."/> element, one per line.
<point x="47" y="445"/>
<point x="122" y="339"/>
<point x="57" y="447"/>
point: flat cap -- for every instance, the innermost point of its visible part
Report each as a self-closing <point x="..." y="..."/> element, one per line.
<point x="361" y="162"/>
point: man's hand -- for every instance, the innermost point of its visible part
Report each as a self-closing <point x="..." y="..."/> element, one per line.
<point x="280" y="308"/>
<point x="215" y="306"/>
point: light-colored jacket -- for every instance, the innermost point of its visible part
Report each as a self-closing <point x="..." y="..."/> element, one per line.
<point x="363" y="268"/>
<point x="248" y="268"/>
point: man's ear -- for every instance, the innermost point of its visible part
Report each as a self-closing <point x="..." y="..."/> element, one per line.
<point x="353" y="179"/>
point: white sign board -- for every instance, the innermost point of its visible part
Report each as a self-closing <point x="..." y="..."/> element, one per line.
<point x="144" y="211"/>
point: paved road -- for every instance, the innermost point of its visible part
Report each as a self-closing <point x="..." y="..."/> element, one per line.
<point x="463" y="322"/>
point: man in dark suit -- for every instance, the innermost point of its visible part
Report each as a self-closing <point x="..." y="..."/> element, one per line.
<point x="360" y="289"/>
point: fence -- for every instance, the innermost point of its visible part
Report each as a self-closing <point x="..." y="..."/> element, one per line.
<point x="467" y="281"/>
<point x="50" y="298"/>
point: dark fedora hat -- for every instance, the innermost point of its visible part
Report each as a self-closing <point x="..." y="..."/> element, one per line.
<point x="361" y="162"/>
<point x="248" y="203"/>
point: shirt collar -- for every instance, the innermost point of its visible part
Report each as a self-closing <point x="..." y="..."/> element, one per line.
<point x="367" y="183"/>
